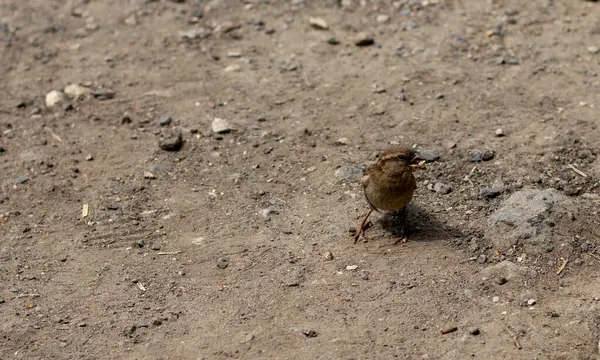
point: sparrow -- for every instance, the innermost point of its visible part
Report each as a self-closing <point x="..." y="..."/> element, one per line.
<point x="389" y="184"/>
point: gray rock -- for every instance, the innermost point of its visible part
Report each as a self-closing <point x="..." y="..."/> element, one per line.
<point x="164" y="120"/>
<point x="506" y="270"/>
<point x="349" y="173"/>
<point x="427" y="154"/>
<point x="489" y="193"/>
<point x="482" y="259"/>
<point x="485" y="155"/>
<point x="104" y="94"/>
<point x="528" y="217"/>
<point x="172" y="142"/>
<point x="442" y="188"/>
<point x="21" y="180"/>
<point x="222" y="263"/>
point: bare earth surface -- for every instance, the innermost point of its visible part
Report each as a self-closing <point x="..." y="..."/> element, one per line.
<point x="239" y="243"/>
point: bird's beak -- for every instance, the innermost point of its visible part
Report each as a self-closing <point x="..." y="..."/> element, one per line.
<point x="419" y="166"/>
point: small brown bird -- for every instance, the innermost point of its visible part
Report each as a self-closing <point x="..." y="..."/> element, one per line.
<point x="389" y="184"/>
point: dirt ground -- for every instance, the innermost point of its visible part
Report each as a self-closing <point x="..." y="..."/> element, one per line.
<point x="239" y="244"/>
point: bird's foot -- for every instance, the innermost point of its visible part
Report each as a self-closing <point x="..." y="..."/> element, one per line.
<point x="402" y="237"/>
<point x="363" y="226"/>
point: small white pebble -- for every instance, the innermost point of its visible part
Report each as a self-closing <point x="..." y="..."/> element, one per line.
<point x="351" y="267"/>
<point x="531" y="302"/>
<point x="499" y="132"/>
<point x="495" y="299"/>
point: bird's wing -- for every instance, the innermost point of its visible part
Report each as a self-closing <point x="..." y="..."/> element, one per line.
<point x="365" y="181"/>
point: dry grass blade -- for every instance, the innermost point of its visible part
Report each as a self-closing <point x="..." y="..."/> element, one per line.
<point x="577" y="171"/>
<point x="562" y="267"/>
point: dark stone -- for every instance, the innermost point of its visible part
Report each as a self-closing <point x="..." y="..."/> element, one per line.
<point x="171" y="143"/>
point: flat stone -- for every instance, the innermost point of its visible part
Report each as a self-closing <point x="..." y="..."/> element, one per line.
<point x="427" y="154"/>
<point x="104" y="94"/>
<point x="349" y="173"/>
<point x="318" y="23"/>
<point x="506" y="270"/>
<point x="77" y="91"/>
<point x="364" y="39"/>
<point x="221" y="126"/>
<point x="382" y="18"/>
<point x="21" y="180"/>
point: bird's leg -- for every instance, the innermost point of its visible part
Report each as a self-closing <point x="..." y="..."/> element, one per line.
<point x="403" y="225"/>
<point x="361" y="229"/>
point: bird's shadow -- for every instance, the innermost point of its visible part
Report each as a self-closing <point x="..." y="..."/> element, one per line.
<point x="420" y="225"/>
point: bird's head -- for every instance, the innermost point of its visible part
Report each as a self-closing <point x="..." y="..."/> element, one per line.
<point x="402" y="157"/>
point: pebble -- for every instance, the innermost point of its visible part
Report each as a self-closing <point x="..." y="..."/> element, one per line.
<point x="364" y="39"/>
<point x="77" y="91"/>
<point x="222" y="263"/>
<point x="485" y="155"/>
<point x="309" y="333"/>
<point x="196" y="33"/>
<point x="89" y="157"/>
<point x="149" y="175"/>
<point x="172" y="142"/>
<point x="1" y="300"/>
<point x="333" y="41"/>
<point x="501" y="280"/>
<point x="474" y="330"/>
<point x="247" y="338"/>
<point x="382" y="18"/>
<point x="495" y="299"/>
<point x="593" y="49"/>
<point x="156" y="246"/>
<point x="21" y="180"/>
<point x="428" y="155"/>
<point x="104" y="94"/>
<point x="489" y="193"/>
<point x="531" y="302"/>
<point x="233" y="68"/>
<point x="473" y="245"/>
<point x="126" y="119"/>
<point x="342" y="141"/>
<point x="318" y="23"/>
<point x="268" y="212"/>
<point x="351" y="267"/>
<point x="164" y="120"/>
<point x="131" y="20"/>
<point x="53" y="98"/>
<point x="442" y="188"/>
<point x="499" y="132"/>
<point x="2" y="149"/>
<point x="513" y="61"/>
<point x="482" y="259"/>
<point x="349" y="173"/>
<point x="329" y="255"/>
<point x="221" y="126"/>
